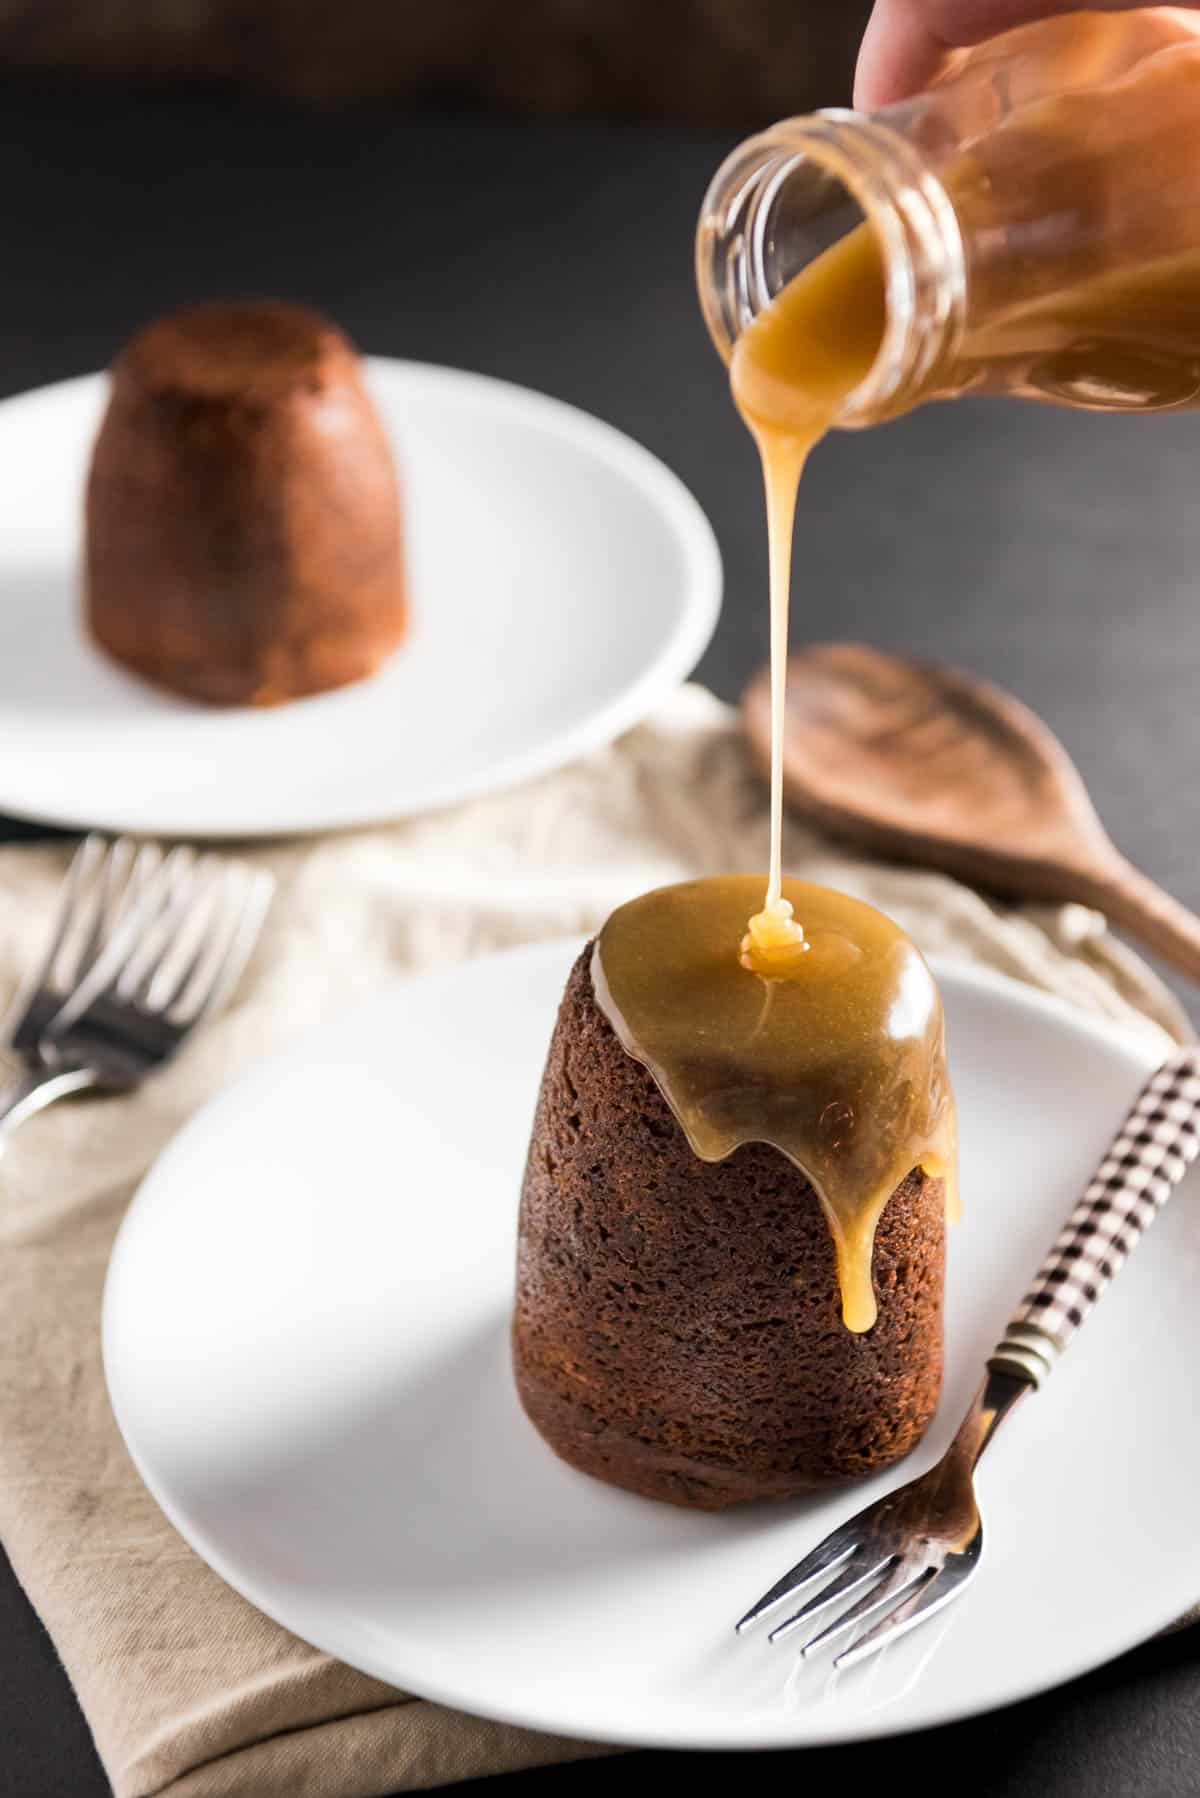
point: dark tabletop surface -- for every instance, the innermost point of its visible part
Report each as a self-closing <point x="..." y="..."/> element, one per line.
<point x="1056" y="553"/>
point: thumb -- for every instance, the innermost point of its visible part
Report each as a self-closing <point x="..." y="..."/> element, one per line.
<point x="906" y="41"/>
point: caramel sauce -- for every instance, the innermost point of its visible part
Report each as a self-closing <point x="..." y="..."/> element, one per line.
<point x="816" y="1027"/>
<point x="841" y="1067"/>
<point x="792" y="368"/>
<point x="822" y="1035"/>
<point x="1079" y="216"/>
<point x="1122" y="341"/>
<point x="1079" y="330"/>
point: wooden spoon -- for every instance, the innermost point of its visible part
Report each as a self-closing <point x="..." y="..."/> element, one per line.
<point x="927" y="764"/>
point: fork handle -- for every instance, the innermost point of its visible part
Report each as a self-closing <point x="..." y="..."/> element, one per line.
<point x="34" y="1091"/>
<point x="1156" y="1145"/>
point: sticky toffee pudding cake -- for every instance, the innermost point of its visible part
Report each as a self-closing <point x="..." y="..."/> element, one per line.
<point x="243" y="541"/>
<point x="732" y="1227"/>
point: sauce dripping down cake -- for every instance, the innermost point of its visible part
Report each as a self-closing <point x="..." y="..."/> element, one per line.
<point x="732" y="1233"/>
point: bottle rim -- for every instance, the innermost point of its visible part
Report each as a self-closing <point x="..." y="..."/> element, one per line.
<point x="899" y="197"/>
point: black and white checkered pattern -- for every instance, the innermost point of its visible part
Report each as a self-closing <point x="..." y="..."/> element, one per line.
<point x="1158" y="1143"/>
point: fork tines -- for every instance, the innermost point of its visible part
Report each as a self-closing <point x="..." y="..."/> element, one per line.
<point x="101" y="887"/>
<point x="824" y="1559"/>
<point x="890" y="1592"/>
<point x="164" y="932"/>
<point x="180" y="943"/>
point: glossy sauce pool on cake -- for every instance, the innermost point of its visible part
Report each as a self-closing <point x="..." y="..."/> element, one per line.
<point x="839" y="1064"/>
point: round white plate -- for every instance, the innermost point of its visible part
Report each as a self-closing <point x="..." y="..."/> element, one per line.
<point x="305" y="1333"/>
<point x="563" y="581"/>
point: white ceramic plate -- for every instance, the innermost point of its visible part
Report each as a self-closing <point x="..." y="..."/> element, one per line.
<point x="305" y="1332"/>
<point x="563" y="581"/>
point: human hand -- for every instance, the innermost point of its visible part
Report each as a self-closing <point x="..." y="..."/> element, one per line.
<point x="905" y="40"/>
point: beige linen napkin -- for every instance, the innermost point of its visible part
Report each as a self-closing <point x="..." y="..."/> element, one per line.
<point x="189" y="1690"/>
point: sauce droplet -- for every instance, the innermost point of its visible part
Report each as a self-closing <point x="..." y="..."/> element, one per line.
<point x="774" y="944"/>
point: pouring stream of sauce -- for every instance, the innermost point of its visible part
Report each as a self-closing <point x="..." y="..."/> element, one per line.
<point x="824" y="1036"/>
<point x="792" y="369"/>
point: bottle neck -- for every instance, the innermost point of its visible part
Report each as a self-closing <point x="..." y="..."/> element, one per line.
<point x="783" y="197"/>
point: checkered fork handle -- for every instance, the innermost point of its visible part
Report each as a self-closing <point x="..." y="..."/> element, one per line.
<point x="1157" y="1144"/>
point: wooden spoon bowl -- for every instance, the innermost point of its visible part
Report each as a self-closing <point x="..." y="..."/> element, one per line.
<point x="926" y="764"/>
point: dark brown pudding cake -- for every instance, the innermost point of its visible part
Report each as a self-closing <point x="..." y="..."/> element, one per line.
<point x="679" y="1322"/>
<point x="243" y="540"/>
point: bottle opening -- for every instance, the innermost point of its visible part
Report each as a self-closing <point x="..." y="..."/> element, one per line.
<point x="827" y="212"/>
<point x="806" y="210"/>
<point x="823" y="271"/>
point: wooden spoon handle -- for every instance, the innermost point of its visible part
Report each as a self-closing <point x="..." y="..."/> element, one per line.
<point x="1132" y="901"/>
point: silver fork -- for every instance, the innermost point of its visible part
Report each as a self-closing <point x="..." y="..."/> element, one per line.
<point x="911" y="1553"/>
<point x="144" y="946"/>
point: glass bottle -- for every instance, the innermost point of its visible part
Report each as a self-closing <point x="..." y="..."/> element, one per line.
<point x="1037" y="213"/>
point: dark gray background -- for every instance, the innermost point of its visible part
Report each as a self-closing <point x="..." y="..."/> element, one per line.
<point x="1054" y="553"/>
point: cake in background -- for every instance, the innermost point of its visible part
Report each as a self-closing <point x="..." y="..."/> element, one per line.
<point x="243" y="532"/>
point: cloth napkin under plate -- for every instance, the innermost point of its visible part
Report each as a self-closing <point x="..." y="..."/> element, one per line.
<point x="189" y="1691"/>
